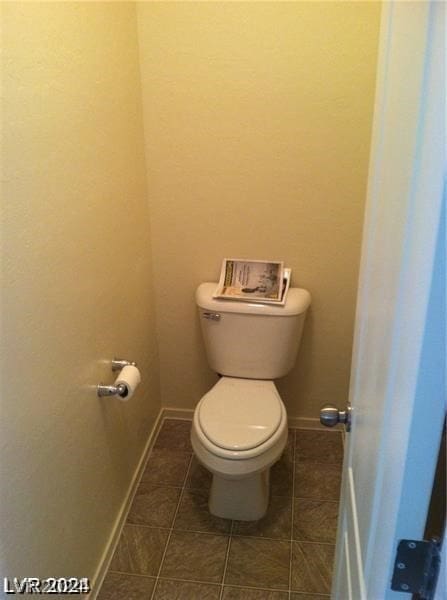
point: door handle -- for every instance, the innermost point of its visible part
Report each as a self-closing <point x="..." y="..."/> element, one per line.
<point x="331" y="416"/>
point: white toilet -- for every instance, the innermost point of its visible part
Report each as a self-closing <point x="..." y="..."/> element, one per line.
<point x="240" y="426"/>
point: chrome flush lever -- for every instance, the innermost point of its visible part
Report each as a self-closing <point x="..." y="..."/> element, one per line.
<point x="212" y="316"/>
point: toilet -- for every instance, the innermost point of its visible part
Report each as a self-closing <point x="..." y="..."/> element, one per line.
<point x="239" y="428"/>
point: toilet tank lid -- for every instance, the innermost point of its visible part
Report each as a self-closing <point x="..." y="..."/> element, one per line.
<point x="298" y="300"/>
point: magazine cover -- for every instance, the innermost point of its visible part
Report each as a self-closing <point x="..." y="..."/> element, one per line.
<point x="251" y="280"/>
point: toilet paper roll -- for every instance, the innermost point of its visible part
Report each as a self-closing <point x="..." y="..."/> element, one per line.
<point x="130" y="377"/>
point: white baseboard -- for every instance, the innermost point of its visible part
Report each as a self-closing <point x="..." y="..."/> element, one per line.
<point x="186" y="414"/>
<point x="310" y="423"/>
<point x="112" y="543"/>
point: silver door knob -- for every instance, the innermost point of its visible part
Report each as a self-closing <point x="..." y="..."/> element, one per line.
<point x="331" y="416"/>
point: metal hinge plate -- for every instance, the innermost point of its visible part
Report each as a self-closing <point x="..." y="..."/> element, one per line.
<point x="416" y="568"/>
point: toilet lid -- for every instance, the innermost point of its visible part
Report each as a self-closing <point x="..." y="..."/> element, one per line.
<point x="240" y="414"/>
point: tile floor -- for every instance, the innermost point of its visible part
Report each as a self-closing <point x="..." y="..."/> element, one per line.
<point x="171" y="548"/>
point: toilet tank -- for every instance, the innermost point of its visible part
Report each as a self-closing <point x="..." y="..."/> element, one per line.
<point x="251" y="340"/>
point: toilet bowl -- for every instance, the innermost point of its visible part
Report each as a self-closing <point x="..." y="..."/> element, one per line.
<point x="239" y="431"/>
<point x="239" y="428"/>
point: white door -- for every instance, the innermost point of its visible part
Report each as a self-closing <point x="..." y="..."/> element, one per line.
<point x="397" y="380"/>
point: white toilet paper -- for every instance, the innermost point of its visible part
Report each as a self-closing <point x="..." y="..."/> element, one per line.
<point x="130" y="377"/>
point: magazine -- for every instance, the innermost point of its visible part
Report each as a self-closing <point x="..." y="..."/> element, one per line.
<point x="286" y="284"/>
<point x="253" y="281"/>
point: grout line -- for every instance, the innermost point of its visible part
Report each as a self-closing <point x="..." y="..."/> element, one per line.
<point x="314" y="542"/>
<point x="328" y="463"/>
<point x="147" y="526"/>
<point x="215" y="533"/>
<point x="212" y="583"/>
<point x="262" y="589"/>
<point x="142" y="575"/>
<point x="198" y="581"/>
<point x="226" y="560"/>
<point x="162" y="485"/>
<point x="293" y="515"/>
<point x="226" y="535"/>
<point x="171" y="528"/>
<point x="316" y="499"/>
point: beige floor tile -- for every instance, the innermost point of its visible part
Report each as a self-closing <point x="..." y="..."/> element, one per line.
<point x="183" y="590"/>
<point x="290" y="446"/>
<point x="318" y="481"/>
<point x="318" y="446"/>
<point x="255" y="562"/>
<point x="175" y="434"/>
<point x="199" y="478"/>
<point x="281" y="477"/>
<point x="194" y="515"/>
<point x="154" y="505"/>
<point x="195" y="556"/>
<point x="312" y="567"/>
<point x="315" y="520"/>
<point x="139" y="550"/>
<point x="277" y="523"/>
<point x="117" y="586"/>
<point x="166" y="467"/>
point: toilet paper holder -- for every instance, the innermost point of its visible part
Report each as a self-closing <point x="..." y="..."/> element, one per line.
<point x="115" y="390"/>
<point x="119" y="363"/>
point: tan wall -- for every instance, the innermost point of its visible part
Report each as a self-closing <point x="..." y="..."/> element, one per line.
<point x="76" y="282"/>
<point x="257" y="125"/>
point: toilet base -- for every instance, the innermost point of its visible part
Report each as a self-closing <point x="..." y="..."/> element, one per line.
<point x="243" y="499"/>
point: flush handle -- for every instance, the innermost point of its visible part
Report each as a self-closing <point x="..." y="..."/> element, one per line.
<point x="331" y="416"/>
<point x="212" y="316"/>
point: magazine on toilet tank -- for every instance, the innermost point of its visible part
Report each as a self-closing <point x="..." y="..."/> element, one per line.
<point x="265" y="281"/>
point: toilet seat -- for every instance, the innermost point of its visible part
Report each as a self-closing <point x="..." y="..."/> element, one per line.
<point x="240" y="418"/>
<point x="240" y="414"/>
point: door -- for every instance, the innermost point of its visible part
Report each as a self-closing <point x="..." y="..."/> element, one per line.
<point x="397" y="379"/>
